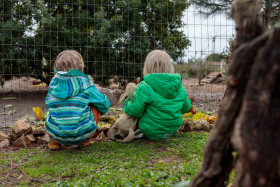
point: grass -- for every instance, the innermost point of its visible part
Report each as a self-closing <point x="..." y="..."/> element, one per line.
<point x="138" y="163"/>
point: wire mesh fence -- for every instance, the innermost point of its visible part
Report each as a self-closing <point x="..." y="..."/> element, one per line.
<point x="114" y="38"/>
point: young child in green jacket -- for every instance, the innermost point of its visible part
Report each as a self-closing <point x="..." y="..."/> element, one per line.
<point x="160" y="100"/>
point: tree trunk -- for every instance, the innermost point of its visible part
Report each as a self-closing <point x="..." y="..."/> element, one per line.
<point x="249" y="116"/>
<point x="257" y="129"/>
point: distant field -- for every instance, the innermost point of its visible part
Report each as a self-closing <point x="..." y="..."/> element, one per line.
<point x="196" y="70"/>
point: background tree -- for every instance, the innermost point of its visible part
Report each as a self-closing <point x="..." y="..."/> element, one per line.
<point x="270" y="10"/>
<point x="17" y="43"/>
<point x="215" y="57"/>
<point x="113" y="36"/>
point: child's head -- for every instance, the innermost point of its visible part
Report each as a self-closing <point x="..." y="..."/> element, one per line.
<point x="69" y="60"/>
<point x="158" y="61"/>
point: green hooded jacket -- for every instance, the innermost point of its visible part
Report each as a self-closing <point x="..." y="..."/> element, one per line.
<point x="159" y="102"/>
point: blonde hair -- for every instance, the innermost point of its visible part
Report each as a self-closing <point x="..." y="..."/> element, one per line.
<point x="69" y="60"/>
<point x="158" y="61"/>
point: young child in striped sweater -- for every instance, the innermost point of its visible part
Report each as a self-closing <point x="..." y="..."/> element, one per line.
<point x="74" y="103"/>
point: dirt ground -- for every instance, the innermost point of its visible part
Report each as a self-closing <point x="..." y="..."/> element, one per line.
<point x="19" y="96"/>
<point x="207" y="97"/>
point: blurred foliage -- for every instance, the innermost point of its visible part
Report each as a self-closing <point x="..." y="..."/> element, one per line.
<point x="197" y="69"/>
<point x="113" y="36"/>
<point x="214" y="57"/>
<point x="270" y="11"/>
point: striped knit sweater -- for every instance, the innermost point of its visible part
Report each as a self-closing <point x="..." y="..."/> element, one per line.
<point x="70" y="120"/>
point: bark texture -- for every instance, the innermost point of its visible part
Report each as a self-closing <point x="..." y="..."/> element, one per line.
<point x="249" y="117"/>
<point x="256" y="135"/>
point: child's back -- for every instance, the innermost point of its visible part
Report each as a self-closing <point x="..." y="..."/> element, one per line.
<point x="71" y="120"/>
<point x="160" y="99"/>
<point x="159" y="102"/>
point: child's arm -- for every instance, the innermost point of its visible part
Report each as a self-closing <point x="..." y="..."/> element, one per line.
<point x="98" y="100"/>
<point x="96" y="113"/>
<point x="187" y="105"/>
<point x="136" y="105"/>
<point x="192" y="110"/>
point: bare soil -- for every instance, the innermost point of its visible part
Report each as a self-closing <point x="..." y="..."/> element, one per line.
<point x="207" y="97"/>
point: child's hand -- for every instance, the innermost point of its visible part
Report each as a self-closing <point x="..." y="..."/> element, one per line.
<point x="192" y="110"/>
<point x="192" y="99"/>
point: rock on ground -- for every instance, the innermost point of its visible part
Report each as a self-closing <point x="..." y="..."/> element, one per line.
<point x="22" y="141"/>
<point x="5" y="143"/>
<point x="21" y="127"/>
<point x="45" y="138"/>
<point x="113" y="95"/>
<point x="3" y="136"/>
<point x="31" y="137"/>
<point x="202" y="125"/>
<point x="187" y="126"/>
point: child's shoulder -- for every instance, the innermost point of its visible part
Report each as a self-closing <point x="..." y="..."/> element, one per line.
<point x="144" y="87"/>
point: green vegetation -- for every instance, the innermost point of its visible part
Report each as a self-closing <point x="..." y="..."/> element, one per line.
<point x="139" y="163"/>
<point x="270" y="10"/>
<point x="214" y="57"/>
<point x="196" y="70"/>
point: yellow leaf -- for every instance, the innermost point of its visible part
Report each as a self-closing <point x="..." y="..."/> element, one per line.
<point x="39" y="113"/>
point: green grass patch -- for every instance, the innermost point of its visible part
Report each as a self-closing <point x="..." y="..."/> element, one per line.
<point x="138" y="163"/>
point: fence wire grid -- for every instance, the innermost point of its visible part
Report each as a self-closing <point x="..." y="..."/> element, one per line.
<point x="113" y="38"/>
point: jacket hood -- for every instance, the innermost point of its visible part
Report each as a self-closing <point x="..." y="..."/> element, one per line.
<point x="69" y="84"/>
<point x="167" y="85"/>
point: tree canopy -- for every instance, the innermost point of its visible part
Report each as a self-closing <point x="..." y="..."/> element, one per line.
<point x="113" y="36"/>
<point x="270" y="11"/>
<point x="214" y="57"/>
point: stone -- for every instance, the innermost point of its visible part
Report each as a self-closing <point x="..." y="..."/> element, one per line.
<point x="5" y="143"/>
<point x="21" y="127"/>
<point x="31" y="137"/>
<point x="37" y="133"/>
<point x="22" y="142"/>
<point x="45" y="138"/>
<point x="101" y="137"/>
<point x="202" y="125"/>
<point x="3" y="136"/>
<point x="187" y="126"/>
<point x="113" y="95"/>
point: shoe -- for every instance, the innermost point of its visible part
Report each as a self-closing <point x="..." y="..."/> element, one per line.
<point x="54" y="145"/>
<point x="86" y="143"/>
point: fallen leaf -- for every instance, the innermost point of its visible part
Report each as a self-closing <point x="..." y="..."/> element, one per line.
<point x="39" y="113"/>
<point x="9" y="98"/>
<point x="39" y="123"/>
<point x="20" y="177"/>
<point x="9" y="112"/>
<point x="8" y="106"/>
